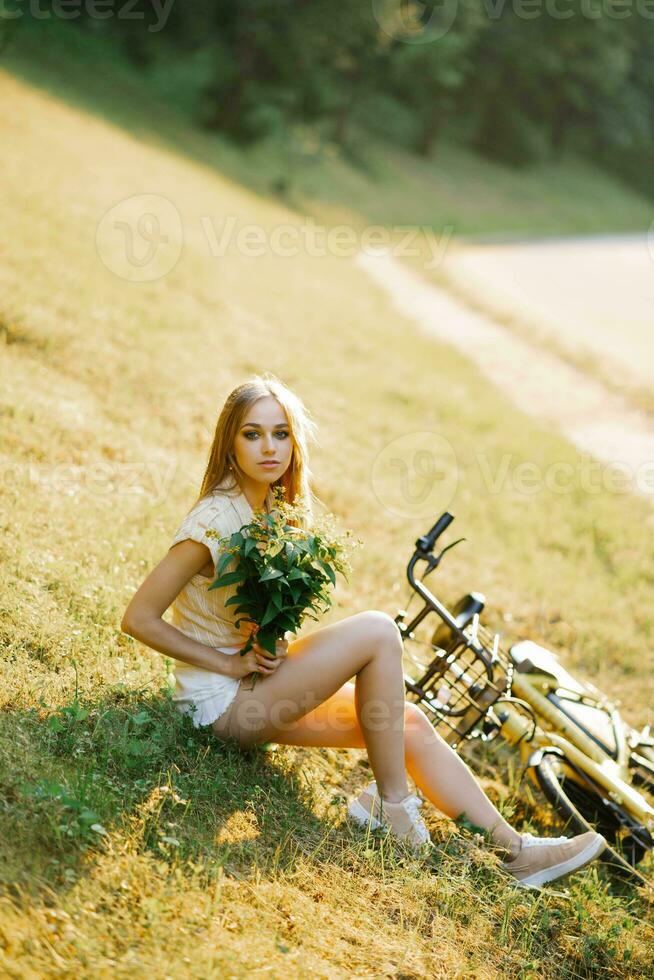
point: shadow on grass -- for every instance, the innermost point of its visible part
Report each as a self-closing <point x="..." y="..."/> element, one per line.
<point x="127" y="772"/>
<point x="130" y="769"/>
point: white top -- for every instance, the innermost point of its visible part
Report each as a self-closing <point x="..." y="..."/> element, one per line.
<point x="202" y="614"/>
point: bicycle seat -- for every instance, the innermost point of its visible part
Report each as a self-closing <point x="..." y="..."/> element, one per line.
<point x="531" y="658"/>
<point x="462" y="613"/>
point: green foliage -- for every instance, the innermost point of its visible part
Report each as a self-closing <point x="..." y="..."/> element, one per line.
<point x="518" y="85"/>
<point x="283" y="572"/>
<point x="65" y="808"/>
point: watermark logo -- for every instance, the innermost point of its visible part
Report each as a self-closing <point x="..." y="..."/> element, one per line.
<point x="416" y="475"/>
<point x="140" y="239"/>
<point x="415" y="21"/>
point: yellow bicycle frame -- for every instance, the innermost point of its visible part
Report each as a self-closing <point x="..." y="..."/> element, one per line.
<point x="575" y="745"/>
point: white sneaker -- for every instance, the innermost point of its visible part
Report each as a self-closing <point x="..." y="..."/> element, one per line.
<point x="369" y="809"/>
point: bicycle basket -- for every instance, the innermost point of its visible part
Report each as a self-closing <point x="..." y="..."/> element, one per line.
<point x="458" y="683"/>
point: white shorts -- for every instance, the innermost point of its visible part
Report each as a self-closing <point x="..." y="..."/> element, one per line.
<point x="203" y="694"/>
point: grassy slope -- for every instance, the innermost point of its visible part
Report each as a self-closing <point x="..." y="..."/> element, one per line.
<point x="265" y="875"/>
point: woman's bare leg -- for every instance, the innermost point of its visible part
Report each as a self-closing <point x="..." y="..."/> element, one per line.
<point x="435" y="768"/>
<point x="446" y="780"/>
<point x="367" y="645"/>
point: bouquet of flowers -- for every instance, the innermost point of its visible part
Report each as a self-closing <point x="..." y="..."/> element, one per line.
<point x="283" y="572"/>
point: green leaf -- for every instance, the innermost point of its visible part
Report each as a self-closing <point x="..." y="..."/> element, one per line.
<point x="271" y="573"/>
<point x="268" y="640"/>
<point x="276" y="599"/>
<point x="88" y="817"/>
<point x="269" y="614"/>
<point x="248" y="645"/>
<point x="231" y="578"/>
<point x="296" y="592"/>
<point x="250" y="545"/>
<point x="329" y="570"/>
<point x="234" y="600"/>
<point x="285" y="621"/>
<point x="223" y="562"/>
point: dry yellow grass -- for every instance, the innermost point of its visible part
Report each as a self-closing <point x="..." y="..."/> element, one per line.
<point x="265" y="877"/>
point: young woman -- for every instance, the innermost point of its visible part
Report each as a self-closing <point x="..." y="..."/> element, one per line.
<point x="340" y="686"/>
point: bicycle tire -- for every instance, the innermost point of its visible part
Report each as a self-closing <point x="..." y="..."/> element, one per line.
<point x="559" y="795"/>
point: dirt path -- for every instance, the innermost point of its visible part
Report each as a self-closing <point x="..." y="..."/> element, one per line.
<point x="595" y="420"/>
<point x="592" y="294"/>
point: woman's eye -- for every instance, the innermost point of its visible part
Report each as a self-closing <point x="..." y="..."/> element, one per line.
<point x="252" y="432"/>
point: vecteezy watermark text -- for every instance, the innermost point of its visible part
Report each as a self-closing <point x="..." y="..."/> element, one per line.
<point x="91" y="9"/>
<point x="151" y="478"/>
<point x="585" y="474"/>
<point x="417" y="474"/>
<point x="310" y="238"/>
<point x="424" y="21"/>
<point x="141" y="238"/>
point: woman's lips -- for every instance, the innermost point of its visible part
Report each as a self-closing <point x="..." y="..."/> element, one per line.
<point x="270" y="463"/>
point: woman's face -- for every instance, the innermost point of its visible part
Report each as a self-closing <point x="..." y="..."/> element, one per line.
<point x="264" y="437"/>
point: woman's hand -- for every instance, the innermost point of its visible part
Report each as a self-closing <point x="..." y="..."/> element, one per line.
<point x="258" y="660"/>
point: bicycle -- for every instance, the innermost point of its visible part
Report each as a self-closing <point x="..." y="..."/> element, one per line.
<point x="572" y="741"/>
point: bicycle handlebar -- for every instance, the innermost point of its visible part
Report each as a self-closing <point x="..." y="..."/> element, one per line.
<point x="427" y="541"/>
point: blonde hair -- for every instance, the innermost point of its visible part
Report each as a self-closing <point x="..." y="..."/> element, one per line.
<point x="222" y="468"/>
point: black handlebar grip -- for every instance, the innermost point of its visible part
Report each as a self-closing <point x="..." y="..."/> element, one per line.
<point x="427" y="542"/>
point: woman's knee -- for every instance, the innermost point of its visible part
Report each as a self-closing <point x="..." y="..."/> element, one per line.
<point x="382" y="630"/>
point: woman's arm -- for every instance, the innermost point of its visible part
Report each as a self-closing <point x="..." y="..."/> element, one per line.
<point x="143" y="617"/>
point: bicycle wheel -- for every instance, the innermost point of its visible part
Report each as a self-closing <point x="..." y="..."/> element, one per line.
<point x="584" y="807"/>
